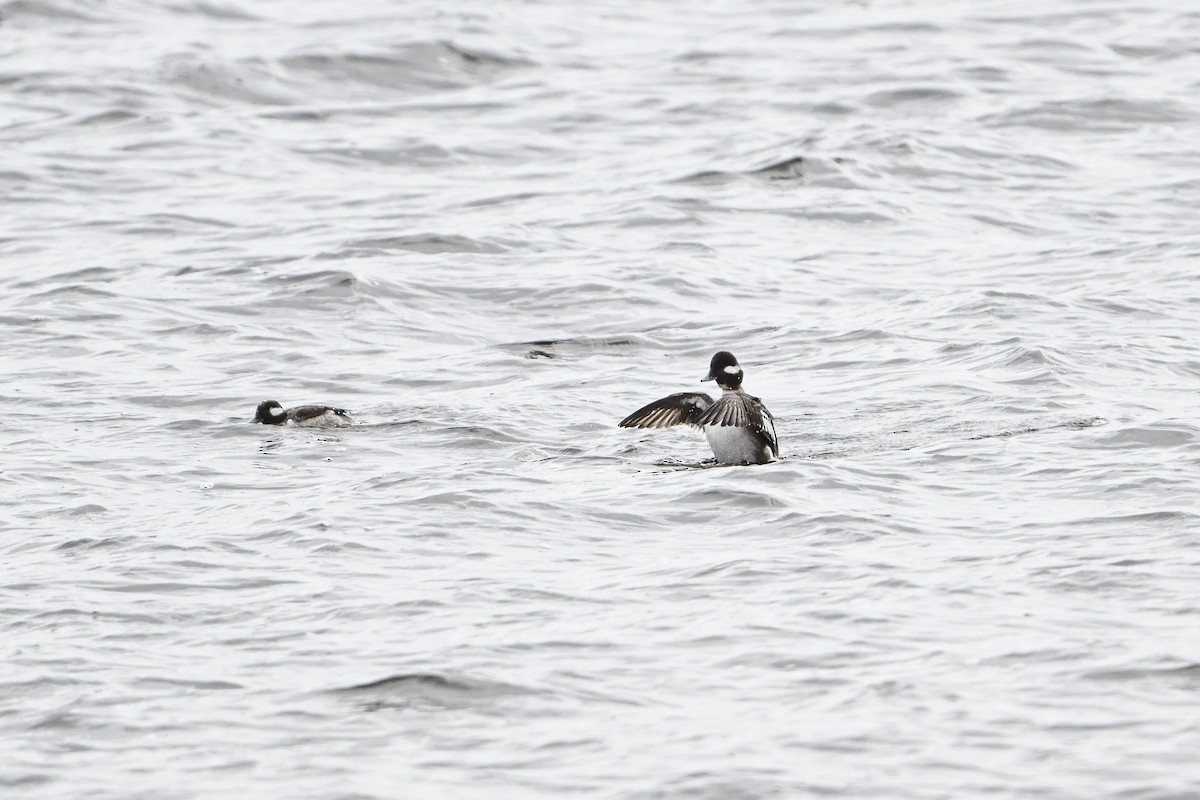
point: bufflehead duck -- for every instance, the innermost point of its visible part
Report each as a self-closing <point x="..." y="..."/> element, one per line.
<point x="739" y="428"/>
<point x="270" y="412"/>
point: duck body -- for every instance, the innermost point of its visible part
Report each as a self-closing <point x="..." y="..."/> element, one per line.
<point x="270" y="412"/>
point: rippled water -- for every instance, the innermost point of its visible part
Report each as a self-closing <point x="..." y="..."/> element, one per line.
<point x="954" y="244"/>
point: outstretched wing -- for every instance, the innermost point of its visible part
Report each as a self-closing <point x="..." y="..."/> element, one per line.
<point x="743" y="411"/>
<point x="684" y="408"/>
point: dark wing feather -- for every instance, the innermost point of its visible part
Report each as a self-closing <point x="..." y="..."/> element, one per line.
<point x="684" y="408"/>
<point x="765" y="424"/>
<point x="729" y="410"/>
<point x="302" y="413"/>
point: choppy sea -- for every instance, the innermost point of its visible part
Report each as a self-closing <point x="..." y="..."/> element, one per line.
<point x="954" y="244"/>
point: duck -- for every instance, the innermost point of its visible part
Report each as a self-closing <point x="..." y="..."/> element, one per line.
<point x="270" y="412"/>
<point x="739" y="428"/>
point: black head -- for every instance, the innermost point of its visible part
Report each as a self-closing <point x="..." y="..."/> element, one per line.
<point x="725" y="370"/>
<point x="270" y="413"/>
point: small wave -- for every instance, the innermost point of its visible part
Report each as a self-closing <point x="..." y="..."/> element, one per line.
<point x="210" y="9"/>
<point x="1120" y="309"/>
<point x="87" y="274"/>
<point x="220" y="81"/>
<point x="78" y="291"/>
<point x="181" y="683"/>
<point x="414" y="66"/>
<point x="199" y="329"/>
<point x="732" y="498"/>
<point x="575" y="348"/>
<point x="1019" y="357"/>
<point x="86" y="510"/>
<point x="1186" y="676"/>
<point x="793" y="169"/>
<point x="1168" y="50"/>
<point x="787" y="169"/>
<point x="924" y="95"/>
<point x="51" y="9"/>
<point x="172" y="222"/>
<point x="413" y="154"/>
<point x="1004" y="305"/>
<point x="1161" y="435"/>
<point x="861" y="335"/>
<point x="427" y="243"/>
<point x="59" y="721"/>
<point x="171" y="587"/>
<point x="1078" y="424"/>
<point x="1099" y="115"/>
<point x="114" y="116"/>
<point x="686" y="248"/>
<point x="418" y="690"/>
<point x="322" y="282"/>
<point x="1165" y="518"/>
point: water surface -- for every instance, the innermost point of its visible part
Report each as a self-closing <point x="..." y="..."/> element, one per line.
<point x="954" y="245"/>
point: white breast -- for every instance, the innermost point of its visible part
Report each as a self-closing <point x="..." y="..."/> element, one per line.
<point x="734" y="445"/>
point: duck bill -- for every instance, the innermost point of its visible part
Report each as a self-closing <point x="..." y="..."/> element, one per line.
<point x="708" y="377"/>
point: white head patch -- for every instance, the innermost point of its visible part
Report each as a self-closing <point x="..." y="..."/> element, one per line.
<point x="732" y="369"/>
<point x="276" y="411"/>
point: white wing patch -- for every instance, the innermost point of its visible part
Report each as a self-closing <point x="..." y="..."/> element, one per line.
<point x="768" y="426"/>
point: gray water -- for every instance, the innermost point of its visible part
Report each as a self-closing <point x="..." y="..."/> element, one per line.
<point x="955" y="246"/>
